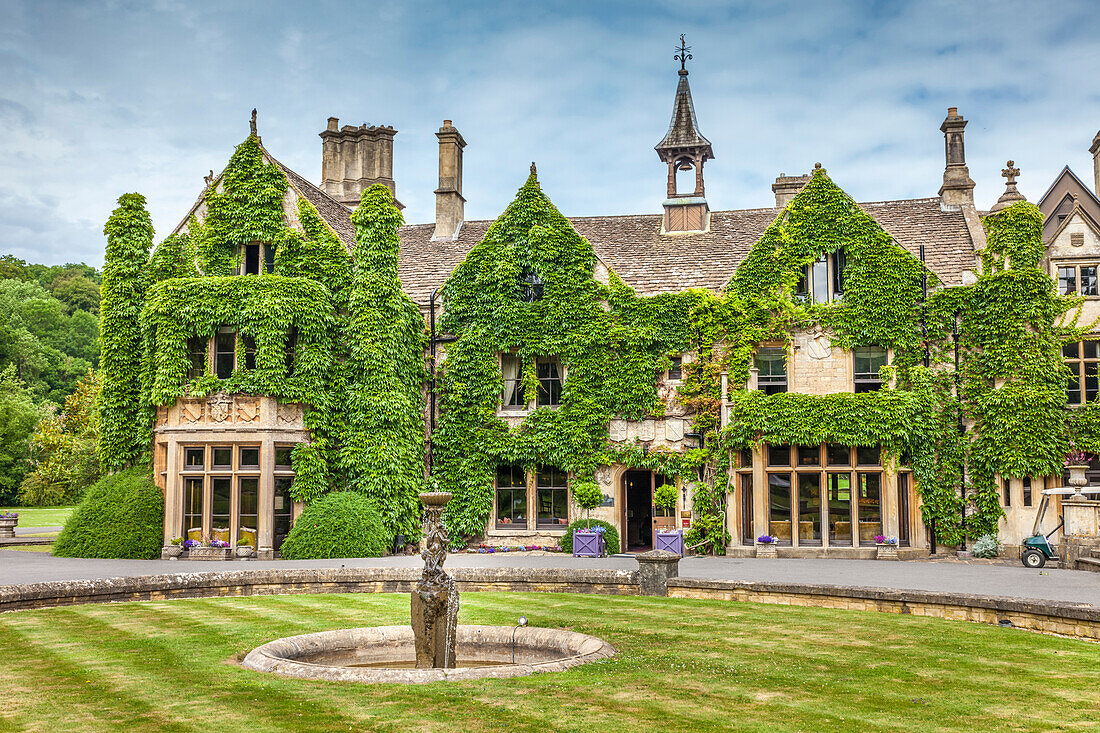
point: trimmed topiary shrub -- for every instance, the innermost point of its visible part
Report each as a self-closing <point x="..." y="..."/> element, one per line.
<point x="121" y="516"/>
<point x="610" y="536"/>
<point x="986" y="546"/>
<point x="339" y="524"/>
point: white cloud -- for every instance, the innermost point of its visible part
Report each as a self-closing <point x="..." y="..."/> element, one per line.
<point x="98" y="99"/>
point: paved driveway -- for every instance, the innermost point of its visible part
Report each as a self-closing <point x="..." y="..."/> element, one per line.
<point x="1072" y="586"/>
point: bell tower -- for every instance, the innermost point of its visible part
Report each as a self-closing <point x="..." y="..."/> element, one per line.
<point x="683" y="148"/>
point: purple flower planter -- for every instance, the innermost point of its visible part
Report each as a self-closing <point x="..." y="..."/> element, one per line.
<point x="587" y="544"/>
<point x="670" y="541"/>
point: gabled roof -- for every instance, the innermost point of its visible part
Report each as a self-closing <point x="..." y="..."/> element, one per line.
<point x="1057" y="202"/>
<point x="634" y="248"/>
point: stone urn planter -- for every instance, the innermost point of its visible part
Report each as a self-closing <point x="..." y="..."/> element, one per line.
<point x="7" y="525"/>
<point x="209" y="553"/>
<point x="171" y="552"/>
<point x="245" y="551"/>
<point x="588" y="543"/>
<point x="1077" y="478"/>
<point x="767" y="549"/>
<point x="886" y="551"/>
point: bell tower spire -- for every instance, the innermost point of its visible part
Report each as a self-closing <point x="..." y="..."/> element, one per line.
<point x="684" y="148"/>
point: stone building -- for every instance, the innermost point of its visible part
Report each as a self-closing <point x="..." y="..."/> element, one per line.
<point x="818" y="500"/>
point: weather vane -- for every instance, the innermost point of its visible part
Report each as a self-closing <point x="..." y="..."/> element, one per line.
<point x="683" y="56"/>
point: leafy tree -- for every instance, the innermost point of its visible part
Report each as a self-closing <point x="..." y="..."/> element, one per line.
<point x="124" y="420"/>
<point x="383" y="448"/>
<point x="64" y="449"/>
<point x="51" y="350"/>
<point x="18" y="416"/>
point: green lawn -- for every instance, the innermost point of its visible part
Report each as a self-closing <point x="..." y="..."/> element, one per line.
<point x="49" y="516"/>
<point x="682" y="666"/>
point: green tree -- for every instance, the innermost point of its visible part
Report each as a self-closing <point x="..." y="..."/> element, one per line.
<point x="383" y="448"/>
<point x="18" y="417"/>
<point x="63" y="449"/>
<point x="124" y="419"/>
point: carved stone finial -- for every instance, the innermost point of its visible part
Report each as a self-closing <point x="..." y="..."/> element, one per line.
<point x="210" y="178"/>
<point x="1011" y="195"/>
<point x="817" y="166"/>
<point x="252" y="124"/>
<point x="533" y="171"/>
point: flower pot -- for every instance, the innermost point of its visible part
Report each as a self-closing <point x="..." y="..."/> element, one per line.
<point x="171" y="552"/>
<point x="1077" y="478"/>
<point x="886" y="552"/>
<point x="209" y="553"/>
<point x="671" y="541"/>
<point x="244" y="551"/>
<point x="7" y="526"/>
<point x="767" y="549"/>
<point x="587" y="543"/>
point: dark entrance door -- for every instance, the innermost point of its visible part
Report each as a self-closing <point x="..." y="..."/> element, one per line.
<point x="638" y="510"/>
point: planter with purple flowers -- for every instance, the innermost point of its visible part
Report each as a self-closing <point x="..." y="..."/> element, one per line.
<point x="670" y="541"/>
<point x="589" y="542"/>
<point x="886" y="547"/>
<point x="765" y="546"/>
<point x="8" y="520"/>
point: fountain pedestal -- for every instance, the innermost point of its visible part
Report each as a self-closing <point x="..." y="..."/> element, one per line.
<point x="435" y="601"/>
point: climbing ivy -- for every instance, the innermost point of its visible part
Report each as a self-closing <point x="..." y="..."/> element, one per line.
<point x="382" y="451"/>
<point x="124" y="418"/>
<point x="611" y="343"/>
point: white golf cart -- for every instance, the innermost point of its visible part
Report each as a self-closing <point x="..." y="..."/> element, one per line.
<point x="1037" y="548"/>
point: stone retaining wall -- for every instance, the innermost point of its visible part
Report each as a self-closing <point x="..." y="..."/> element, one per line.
<point x="1052" y="617"/>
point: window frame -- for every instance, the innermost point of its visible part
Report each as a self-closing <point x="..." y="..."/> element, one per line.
<point x="1075" y="271"/>
<point x="516" y="474"/>
<point x="868" y="381"/>
<point x="771" y="383"/>
<point x="824" y="470"/>
<point x="1080" y="364"/>
<point x="547" y="384"/>
<point x="554" y="490"/>
<point x="829" y="276"/>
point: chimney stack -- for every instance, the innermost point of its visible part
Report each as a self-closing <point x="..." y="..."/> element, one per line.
<point x="1095" y="150"/>
<point x="449" y="204"/>
<point x="958" y="188"/>
<point x="787" y="187"/>
<point x="354" y="159"/>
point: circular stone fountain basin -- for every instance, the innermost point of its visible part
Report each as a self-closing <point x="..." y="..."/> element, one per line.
<point x="387" y="654"/>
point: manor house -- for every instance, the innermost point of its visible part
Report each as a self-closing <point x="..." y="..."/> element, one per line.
<point x="225" y="460"/>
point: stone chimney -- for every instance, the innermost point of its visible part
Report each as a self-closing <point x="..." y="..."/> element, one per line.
<point x="354" y="159"/>
<point x="958" y="188"/>
<point x="449" y="204"/>
<point x="1095" y="150"/>
<point x="787" y="187"/>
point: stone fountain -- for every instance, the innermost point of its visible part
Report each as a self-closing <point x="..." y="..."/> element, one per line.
<point x="434" y="647"/>
<point x="435" y="600"/>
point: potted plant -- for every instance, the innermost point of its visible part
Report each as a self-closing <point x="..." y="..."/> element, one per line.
<point x="1077" y="462"/>
<point x="8" y="520"/>
<point x="666" y="536"/>
<point x="765" y="546"/>
<point x="214" y="550"/>
<point x="886" y="547"/>
<point x="174" y="549"/>
<point x="588" y="542"/>
<point x="664" y="499"/>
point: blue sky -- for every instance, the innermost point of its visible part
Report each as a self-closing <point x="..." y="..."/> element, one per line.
<point x="102" y="98"/>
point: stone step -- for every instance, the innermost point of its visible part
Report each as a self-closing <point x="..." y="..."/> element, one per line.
<point x="1089" y="563"/>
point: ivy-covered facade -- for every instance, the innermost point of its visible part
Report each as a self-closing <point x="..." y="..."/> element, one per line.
<point x="822" y="372"/>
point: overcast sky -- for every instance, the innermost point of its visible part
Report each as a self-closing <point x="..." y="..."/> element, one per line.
<point x="102" y="98"/>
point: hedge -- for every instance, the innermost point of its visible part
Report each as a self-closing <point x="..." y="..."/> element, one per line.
<point x="610" y="535"/>
<point x="339" y="524"/>
<point x="121" y="517"/>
